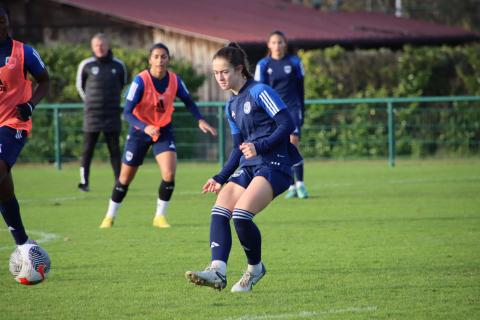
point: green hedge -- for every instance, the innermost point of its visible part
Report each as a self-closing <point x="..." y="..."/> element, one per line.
<point x="421" y="129"/>
<point x="62" y="62"/>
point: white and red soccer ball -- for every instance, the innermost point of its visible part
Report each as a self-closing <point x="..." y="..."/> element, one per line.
<point x="29" y="264"/>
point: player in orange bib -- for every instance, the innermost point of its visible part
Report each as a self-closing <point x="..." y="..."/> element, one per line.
<point x="17" y="102"/>
<point x="148" y="110"/>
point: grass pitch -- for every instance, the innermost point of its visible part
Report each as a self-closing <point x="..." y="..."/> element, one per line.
<point x="372" y="242"/>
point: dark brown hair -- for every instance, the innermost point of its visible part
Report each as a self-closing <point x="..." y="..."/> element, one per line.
<point x="235" y="55"/>
<point x="159" y="45"/>
<point x="280" y="34"/>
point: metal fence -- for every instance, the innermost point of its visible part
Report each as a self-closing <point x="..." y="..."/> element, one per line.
<point x="334" y="128"/>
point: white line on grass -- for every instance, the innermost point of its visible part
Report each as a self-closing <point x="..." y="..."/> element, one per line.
<point x="76" y="198"/>
<point x="40" y="237"/>
<point x="306" y="314"/>
<point x="56" y="199"/>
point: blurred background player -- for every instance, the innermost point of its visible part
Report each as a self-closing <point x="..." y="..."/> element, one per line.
<point x="100" y="80"/>
<point x="148" y="110"/>
<point x="17" y="103"/>
<point x="260" y="125"/>
<point x="284" y="73"/>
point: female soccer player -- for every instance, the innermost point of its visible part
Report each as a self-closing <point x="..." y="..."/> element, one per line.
<point x="284" y="73"/>
<point x="260" y="125"/>
<point x="148" y="110"/>
<point x="17" y="102"/>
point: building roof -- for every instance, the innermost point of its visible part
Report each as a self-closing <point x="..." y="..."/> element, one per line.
<point x="249" y="21"/>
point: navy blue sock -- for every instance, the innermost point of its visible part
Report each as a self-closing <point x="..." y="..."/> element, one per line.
<point x="220" y="233"/>
<point x="298" y="172"/>
<point x="11" y="214"/>
<point x="248" y="234"/>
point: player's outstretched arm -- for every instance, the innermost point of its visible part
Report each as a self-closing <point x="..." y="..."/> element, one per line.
<point x="206" y="128"/>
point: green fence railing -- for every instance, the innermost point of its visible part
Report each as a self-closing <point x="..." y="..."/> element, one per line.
<point x="390" y="104"/>
<point x="338" y="119"/>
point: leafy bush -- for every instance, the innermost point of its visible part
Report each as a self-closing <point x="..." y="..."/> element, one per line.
<point x="62" y="62"/>
<point x="421" y="128"/>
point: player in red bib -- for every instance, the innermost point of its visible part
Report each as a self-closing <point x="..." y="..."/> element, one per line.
<point x="148" y="110"/>
<point x="17" y="102"/>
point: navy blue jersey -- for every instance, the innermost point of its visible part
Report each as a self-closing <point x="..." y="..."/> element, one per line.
<point x="33" y="63"/>
<point x="285" y="76"/>
<point x="250" y="114"/>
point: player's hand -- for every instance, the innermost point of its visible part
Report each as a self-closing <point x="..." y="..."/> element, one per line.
<point x="248" y="150"/>
<point x="24" y="111"/>
<point x="152" y="131"/>
<point x="206" y="128"/>
<point x="211" y="186"/>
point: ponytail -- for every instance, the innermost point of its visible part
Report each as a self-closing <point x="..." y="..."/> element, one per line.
<point x="235" y="55"/>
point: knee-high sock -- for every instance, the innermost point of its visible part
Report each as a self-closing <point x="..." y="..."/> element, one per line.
<point x="249" y="235"/>
<point x="220" y="233"/>
<point x="118" y="194"/>
<point x="165" y="191"/>
<point x="298" y="172"/>
<point x="11" y="214"/>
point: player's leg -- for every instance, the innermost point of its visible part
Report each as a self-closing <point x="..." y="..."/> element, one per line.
<point x="215" y="275"/>
<point x="12" y="142"/>
<point x="9" y="205"/>
<point x="127" y="174"/>
<point x="292" y="190"/>
<point x="89" y="141"/>
<point x="167" y="161"/>
<point x="265" y="186"/>
<point x="136" y="147"/>
<point x="166" y="156"/>
<point x="298" y="189"/>
<point x="113" y="143"/>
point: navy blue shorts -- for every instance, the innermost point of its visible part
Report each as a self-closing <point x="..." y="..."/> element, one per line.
<point x="11" y="144"/>
<point x="279" y="180"/>
<point x="138" y="143"/>
<point x="297" y="117"/>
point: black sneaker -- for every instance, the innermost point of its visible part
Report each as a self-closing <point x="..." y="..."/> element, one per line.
<point x="83" y="187"/>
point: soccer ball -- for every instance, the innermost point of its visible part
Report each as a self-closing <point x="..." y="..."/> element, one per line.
<point x="29" y="264"/>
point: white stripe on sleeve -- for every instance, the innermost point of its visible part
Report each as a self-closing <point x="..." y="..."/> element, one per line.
<point x="302" y="70"/>
<point x="78" y="83"/>
<point x="257" y="73"/>
<point x="273" y="108"/>
<point x="184" y="87"/>
<point x="132" y="91"/>
<point x="125" y="75"/>
<point x="266" y="102"/>
<point x="35" y="53"/>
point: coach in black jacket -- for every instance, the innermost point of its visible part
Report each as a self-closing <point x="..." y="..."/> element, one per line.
<point x="100" y="80"/>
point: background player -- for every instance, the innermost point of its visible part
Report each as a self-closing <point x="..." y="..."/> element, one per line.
<point x="148" y="110"/>
<point x="284" y="73"/>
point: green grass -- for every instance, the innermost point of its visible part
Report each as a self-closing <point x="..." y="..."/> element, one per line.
<point x="372" y="242"/>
